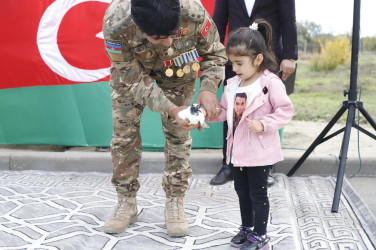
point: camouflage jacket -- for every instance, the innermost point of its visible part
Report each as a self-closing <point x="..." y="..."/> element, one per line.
<point x="139" y="63"/>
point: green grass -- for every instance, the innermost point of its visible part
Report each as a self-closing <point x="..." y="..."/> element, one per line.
<point x="319" y="95"/>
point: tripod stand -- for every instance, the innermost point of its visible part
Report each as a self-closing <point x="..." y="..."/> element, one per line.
<point x="351" y="105"/>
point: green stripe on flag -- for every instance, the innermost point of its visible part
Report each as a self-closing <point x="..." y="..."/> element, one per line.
<point x="113" y="51"/>
<point x="79" y="115"/>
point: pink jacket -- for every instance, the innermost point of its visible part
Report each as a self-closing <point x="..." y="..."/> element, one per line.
<point x="272" y="107"/>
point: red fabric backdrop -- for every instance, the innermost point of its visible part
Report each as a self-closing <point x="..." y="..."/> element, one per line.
<point x="54" y="42"/>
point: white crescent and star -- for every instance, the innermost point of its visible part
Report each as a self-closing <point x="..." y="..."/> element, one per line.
<point x="49" y="50"/>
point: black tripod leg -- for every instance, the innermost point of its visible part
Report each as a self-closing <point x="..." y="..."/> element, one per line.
<point x="343" y="158"/>
<point x="367" y="116"/>
<point x="318" y="139"/>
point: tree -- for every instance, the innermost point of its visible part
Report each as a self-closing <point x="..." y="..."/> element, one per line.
<point x="307" y="31"/>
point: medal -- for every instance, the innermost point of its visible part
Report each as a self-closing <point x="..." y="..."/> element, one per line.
<point x="195" y="66"/>
<point x="170" y="51"/>
<point x="177" y="44"/>
<point x="184" y="31"/>
<point x="186" y="69"/>
<point x="178" y="34"/>
<point x="180" y="73"/>
<point x="169" y="72"/>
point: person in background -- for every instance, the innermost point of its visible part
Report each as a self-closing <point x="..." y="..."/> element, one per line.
<point x="253" y="144"/>
<point x="232" y="14"/>
<point x="154" y="48"/>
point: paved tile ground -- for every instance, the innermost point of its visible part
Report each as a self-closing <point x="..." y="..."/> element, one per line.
<point x="61" y="210"/>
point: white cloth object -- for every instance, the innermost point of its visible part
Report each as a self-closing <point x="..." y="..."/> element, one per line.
<point x="249" y="5"/>
<point x="194" y="115"/>
<point x="254" y="26"/>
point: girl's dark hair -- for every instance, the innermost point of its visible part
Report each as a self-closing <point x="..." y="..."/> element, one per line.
<point x="248" y="42"/>
<point x="160" y="18"/>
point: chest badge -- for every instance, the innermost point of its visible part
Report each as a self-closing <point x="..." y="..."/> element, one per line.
<point x="177" y="44"/>
<point x="184" y="31"/>
<point x="265" y="90"/>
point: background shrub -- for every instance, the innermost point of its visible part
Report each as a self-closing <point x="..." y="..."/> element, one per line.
<point x="369" y="43"/>
<point x="332" y="53"/>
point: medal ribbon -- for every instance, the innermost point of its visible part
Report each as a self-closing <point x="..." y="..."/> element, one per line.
<point x="178" y="61"/>
<point x="194" y="55"/>
<point x="167" y="63"/>
<point x="184" y="58"/>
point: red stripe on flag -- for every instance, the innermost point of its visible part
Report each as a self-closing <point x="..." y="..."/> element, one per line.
<point x="113" y="48"/>
<point x="22" y="64"/>
<point x="76" y="42"/>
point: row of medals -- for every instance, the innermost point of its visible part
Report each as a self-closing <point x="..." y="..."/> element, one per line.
<point x="170" y="51"/>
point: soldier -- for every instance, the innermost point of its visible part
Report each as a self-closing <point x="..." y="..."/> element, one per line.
<point x="154" y="48"/>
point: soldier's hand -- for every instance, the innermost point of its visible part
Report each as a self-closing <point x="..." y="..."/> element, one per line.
<point x="174" y="111"/>
<point x="210" y="102"/>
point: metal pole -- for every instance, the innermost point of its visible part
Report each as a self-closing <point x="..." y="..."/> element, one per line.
<point x="352" y="104"/>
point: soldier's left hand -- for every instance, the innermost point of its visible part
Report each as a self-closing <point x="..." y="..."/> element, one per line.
<point x="210" y="102"/>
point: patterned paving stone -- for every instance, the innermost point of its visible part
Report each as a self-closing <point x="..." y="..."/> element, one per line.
<point x="48" y="210"/>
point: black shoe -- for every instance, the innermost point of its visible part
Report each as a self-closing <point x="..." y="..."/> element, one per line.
<point x="224" y="175"/>
<point x="271" y="180"/>
<point x="256" y="242"/>
<point x="239" y="239"/>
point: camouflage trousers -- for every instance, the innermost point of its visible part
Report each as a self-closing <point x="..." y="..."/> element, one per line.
<point x="126" y="145"/>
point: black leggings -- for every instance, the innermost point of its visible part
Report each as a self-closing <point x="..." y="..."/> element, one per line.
<point x="251" y="187"/>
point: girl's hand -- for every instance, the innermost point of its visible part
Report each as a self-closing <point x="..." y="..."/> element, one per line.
<point x="255" y="126"/>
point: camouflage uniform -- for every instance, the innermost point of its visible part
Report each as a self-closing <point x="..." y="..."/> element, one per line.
<point x="138" y="80"/>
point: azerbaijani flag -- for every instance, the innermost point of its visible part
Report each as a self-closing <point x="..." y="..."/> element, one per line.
<point x="55" y="72"/>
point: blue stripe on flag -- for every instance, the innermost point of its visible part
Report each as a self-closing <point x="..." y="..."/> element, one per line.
<point x="114" y="45"/>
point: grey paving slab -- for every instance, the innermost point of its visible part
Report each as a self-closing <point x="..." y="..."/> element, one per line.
<point x="66" y="210"/>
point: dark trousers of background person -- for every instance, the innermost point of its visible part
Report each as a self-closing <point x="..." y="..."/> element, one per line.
<point x="251" y="187"/>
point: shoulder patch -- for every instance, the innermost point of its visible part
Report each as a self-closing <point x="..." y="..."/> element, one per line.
<point x="114" y="50"/>
<point x="206" y="28"/>
<point x="113" y="46"/>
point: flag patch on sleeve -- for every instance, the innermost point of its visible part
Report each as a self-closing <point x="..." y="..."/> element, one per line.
<point x="113" y="46"/>
<point x="205" y="30"/>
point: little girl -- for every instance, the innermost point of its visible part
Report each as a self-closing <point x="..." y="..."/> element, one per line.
<point x="256" y="106"/>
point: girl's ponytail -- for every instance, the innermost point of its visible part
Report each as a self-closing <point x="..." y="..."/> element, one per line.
<point x="266" y="31"/>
